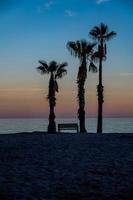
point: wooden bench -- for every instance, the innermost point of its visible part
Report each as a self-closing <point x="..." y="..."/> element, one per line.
<point x="66" y="126"/>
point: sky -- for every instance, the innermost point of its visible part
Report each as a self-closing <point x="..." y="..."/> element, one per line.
<point x="31" y="30"/>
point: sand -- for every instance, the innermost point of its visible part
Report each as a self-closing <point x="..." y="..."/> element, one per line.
<point x="40" y="166"/>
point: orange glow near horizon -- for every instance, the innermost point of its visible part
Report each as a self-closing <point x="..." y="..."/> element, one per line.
<point x="31" y="102"/>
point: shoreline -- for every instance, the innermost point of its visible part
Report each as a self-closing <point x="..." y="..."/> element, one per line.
<point x="64" y="133"/>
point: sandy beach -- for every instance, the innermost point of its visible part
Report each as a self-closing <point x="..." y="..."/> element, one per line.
<point x="39" y="166"/>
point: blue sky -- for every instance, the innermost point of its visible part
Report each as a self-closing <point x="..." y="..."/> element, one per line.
<point x="39" y="29"/>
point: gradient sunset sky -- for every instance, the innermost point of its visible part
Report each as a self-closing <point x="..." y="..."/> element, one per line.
<point x="31" y="30"/>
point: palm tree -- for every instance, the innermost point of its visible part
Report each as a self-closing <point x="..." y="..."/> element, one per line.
<point x="101" y="34"/>
<point x="82" y="50"/>
<point x="56" y="71"/>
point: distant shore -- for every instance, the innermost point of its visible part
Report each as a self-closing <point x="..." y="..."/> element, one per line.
<point x="66" y="166"/>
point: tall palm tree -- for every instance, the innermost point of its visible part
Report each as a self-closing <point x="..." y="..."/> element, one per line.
<point x="56" y="71"/>
<point x="101" y="34"/>
<point x="82" y="50"/>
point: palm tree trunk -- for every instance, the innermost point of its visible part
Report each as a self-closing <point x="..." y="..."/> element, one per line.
<point x="52" y="103"/>
<point x="81" y="111"/>
<point x="100" y="89"/>
<point x="81" y="96"/>
<point x="52" y="124"/>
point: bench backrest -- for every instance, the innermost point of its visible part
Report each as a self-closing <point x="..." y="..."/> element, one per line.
<point x="68" y="126"/>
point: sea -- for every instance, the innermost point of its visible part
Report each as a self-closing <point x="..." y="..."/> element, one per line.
<point x="110" y="125"/>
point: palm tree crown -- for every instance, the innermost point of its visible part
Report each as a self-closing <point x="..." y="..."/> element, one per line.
<point x="82" y="50"/>
<point x="102" y="32"/>
<point x="57" y="70"/>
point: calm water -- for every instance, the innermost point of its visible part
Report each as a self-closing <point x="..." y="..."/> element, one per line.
<point x="110" y="125"/>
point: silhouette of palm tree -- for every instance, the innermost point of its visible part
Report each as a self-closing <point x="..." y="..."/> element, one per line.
<point x="83" y="50"/>
<point x="101" y="34"/>
<point x="56" y="71"/>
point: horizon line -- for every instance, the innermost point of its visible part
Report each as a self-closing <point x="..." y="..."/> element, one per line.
<point x="70" y="117"/>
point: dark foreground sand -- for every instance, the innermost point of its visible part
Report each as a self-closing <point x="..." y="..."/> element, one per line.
<point x="41" y="166"/>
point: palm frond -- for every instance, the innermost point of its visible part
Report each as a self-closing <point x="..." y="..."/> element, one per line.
<point x="111" y="35"/>
<point x="92" y="67"/>
<point x="97" y="29"/>
<point x="72" y="48"/>
<point x="94" y="33"/>
<point x="89" y="48"/>
<point x="44" y="64"/>
<point x="103" y="29"/>
<point x="61" y="66"/>
<point x="42" y="70"/>
<point x="60" y="73"/>
<point x="95" y="56"/>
